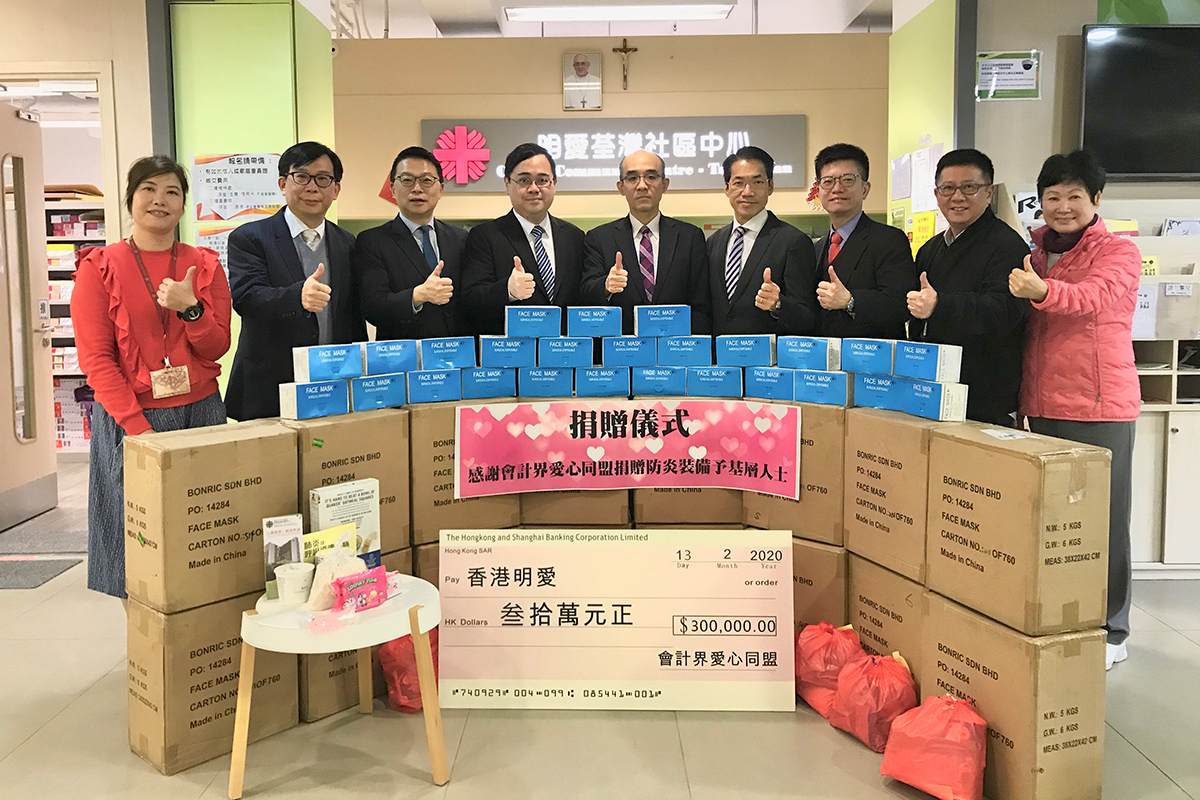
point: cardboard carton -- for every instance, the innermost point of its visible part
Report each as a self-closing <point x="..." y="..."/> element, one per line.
<point x="682" y="506"/>
<point x="425" y="562"/>
<point x="575" y="508"/>
<point x="888" y="611"/>
<point x="1018" y="527"/>
<point x="818" y="584"/>
<point x="194" y="504"/>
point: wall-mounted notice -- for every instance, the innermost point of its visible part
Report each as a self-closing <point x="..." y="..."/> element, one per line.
<point x="239" y="185"/>
<point x="902" y="177"/>
<point x="1008" y="76"/>
<point x="924" y="171"/>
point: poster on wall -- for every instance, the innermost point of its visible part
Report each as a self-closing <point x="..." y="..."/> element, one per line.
<point x="1008" y="76"/>
<point x="216" y="237"/>
<point x="236" y="186"/>
<point x="924" y="169"/>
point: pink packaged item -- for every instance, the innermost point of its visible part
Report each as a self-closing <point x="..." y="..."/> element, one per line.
<point x="361" y="591"/>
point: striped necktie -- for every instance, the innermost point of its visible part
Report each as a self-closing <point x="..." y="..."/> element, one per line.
<point x="733" y="268"/>
<point x="543" y="261"/>
<point x="646" y="261"/>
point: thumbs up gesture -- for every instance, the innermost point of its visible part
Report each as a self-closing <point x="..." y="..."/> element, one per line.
<point x="177" y="295"/>
<point x="520" y="282"/>
<point x="921" y="303"/>
<point x="833" y="294"/>
<point x="618" y="277"/>
<point x="435" y="289"/>
<point x="314" y="295"/>
<point x="768" y="294"/>
<point x="1026" y="283"/>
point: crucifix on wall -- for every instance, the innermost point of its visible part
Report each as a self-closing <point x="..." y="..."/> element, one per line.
<point x="624" y="50"/>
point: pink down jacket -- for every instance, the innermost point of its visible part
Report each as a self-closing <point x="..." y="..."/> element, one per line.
<point x="1079" y="341"/>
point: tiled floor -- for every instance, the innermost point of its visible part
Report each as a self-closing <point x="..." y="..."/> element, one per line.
<point x="63" y="717"/>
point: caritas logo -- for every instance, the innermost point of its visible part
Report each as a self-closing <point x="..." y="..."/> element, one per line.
<point x="462" y="155"/>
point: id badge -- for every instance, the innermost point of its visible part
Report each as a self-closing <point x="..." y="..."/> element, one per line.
<point x="169" y="382"/>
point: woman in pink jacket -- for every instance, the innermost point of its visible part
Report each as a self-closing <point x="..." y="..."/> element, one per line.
<point x="1079" y="381"/>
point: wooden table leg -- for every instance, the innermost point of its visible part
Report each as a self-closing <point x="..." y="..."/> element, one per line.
<point x="366" y="688"/>
<point x="241" y="722"/>
<point x="427" y="679"/>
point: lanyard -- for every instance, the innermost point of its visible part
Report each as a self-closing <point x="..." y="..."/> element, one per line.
<point x="162" y="312"/>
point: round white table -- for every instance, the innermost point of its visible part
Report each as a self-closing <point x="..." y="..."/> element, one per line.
<point x="281" y="628"/>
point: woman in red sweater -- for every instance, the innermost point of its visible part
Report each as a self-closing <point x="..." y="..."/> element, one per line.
<point x="1079" y="381"/>
<point x="151" y="319"/>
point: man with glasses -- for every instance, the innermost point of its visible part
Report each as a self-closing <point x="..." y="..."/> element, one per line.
<point x="408" y="268"/>
<point x="290" y="280"/>
<point x="646" y="258"/>
<point x="762" y="271"/>
<point x="525" y="256"/>
<point x="963" y="296"/>
<point x="866" y="267"/>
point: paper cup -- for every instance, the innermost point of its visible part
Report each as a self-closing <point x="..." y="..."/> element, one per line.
<point x="295" y="582"/>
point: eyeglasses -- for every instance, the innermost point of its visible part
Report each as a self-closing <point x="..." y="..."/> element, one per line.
<point x="408" y="181"/>
<point x="651" y="178"/>
<point x="302" y="179"/>
<point x="968" y="189"/>
<point x="847" y="181"/>
<point x="741" y="183"/>
<point x="524" y="181"/>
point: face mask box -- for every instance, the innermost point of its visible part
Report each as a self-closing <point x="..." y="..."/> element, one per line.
<point x="685" y="351"/>
<point x="500" y="351"/>
<point x="378" y="391"/>
<point x="564" y="351"/>
<point x="602" y="382"/>
<point x="928" y="362"/>
<point x="545" y="382"/>
<point x="713" y="382"/>
<point x="873" y="356"/>
<point x="310" y="400"/>
<point x="435" y="385"/>
<point x="532" y="322"/>
<point x="389" y="357"/>
<point x="628" y="351"/>
<point x="879" y="391"/>
<point x="823" y="388"/>
<point x="770" y="383"/>
<point x="594" y="321"/>
<point x="809" y="352"/>
<point x="659" y="321"/>
<point x="746" y="351"/>
<point x="659" y="381"/>
<point x="946" y="402"/>
<point x="452" y="352"/>
<point x="480" y="382"/>
<point x="327" y="362"/>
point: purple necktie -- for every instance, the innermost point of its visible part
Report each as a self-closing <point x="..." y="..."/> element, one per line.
<point x="646" y="261"/>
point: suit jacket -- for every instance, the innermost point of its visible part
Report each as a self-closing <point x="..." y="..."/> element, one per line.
<point x="789" y="254"/>
<point x="681" y="277"/>
<point x="389" y="264"/>
<point x="875" y="263"/>
<point x="265" y="279"/>
<point x="489" y="261"/>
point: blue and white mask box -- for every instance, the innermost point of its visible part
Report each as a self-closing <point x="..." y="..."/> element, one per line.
<point x="932" y="400"/>
<point x="757" y="350"/>
<point x="685" y="351"/>
<point x="389" y="357"/>
<point x="452" y="352"/>
<point x="602" y="382"/>
<point x="594" y="321"/>
<point x="434" y="385"/>
<point x="873" y="356"/>
<point x="327" y="362"/>
<point x="823" y="387"/>
<point x="545" y="382"/>
<point x="628" y="351"/>
<point x="656" y="321"/>
<point x="928" y="362"/>
<point x="480" y="382"/>
<point x="378" y="391"/>
<point x="879" y="391"/>
<point x="565" y="351"/>
<point x="659" y="380"/>
<point x="501" y="351"/>
<point x="713" y="382"/>
<point x="309" y="400"/>
<point x="810" y="352"/>
<point x="771" y="383"/>
<point x="532" y="322"/>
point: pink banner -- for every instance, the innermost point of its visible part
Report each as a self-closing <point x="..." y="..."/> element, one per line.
<point x="504" y="448"/>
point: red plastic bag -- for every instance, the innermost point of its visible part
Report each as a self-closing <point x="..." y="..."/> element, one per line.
<point x="821" y="652"/>
<point x="399" y="661"/>
<point x="871" y="693"/>
<point x="939" y="748"/>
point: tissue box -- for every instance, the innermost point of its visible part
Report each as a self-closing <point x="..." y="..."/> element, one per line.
<point x="454" y="352"/>
<point x="810" y="352"/>
<point x="879" y="391"/>
<point x="932" y="400"/>
<point x="823" y="388"/>
<point x="532" y="322"/>
<point x="308" y="400"/>
<point x="434" y="385"/>
<point x="389" y="357"/>
<point x="928" y="362"/>
<point x="479" y="382"/>
<point x="545" y="381"/>
<point x="500" y="351"/>
<point x="628" y="351"/>
<point x="602" y="382"/>
<point x="746" y="351"/>
<point x="685" y="351"/>
<point x="378" y="391"/>
<point x="595" y="321"/>
<point x="564" y="351"/>
<point x="772" y="383"/>
<point x="873" y="356"/>
<point x="656" y="321"/>
<point x="659" y="380"/>
<point x="326" y="362"/>
<point x="714" y="382"/>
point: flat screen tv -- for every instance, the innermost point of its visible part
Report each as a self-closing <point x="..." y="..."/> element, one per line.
<point x="1141" y="100"/>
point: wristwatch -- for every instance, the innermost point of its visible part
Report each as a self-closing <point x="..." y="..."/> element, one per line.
<point x="191" y="313"/>
<point x="850" y="306"/>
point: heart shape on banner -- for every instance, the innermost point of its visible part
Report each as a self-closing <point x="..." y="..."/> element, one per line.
<point x="637" y="445"/>
<point x="467" y="463"/>
<point x="729" y="444"/>
<point x="698" y="452"/>
<point x="595" y="453"/>
<point x="500" y="412"/>
<point x="654" y="445"/>
<point x="555" y="457"/>
<point x="762" y="423"/>
<point x="767" y="443"/>
<point x="515" y="429"/>
<point x="714" y="416"/>
<point x="533" y="431"/>
<point x="779" y="411"/>
<point x="754" y="408"/>
<point x="692" y="425"/>
<point x="540" y="408"/>
<point x="482" y="428"/>
<point x="746" y="424"/>
<point x="669" y="405"/>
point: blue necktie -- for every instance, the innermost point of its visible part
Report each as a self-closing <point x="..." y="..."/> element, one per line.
<point x="427" y="246"/>
<point x="733" y="269"/>
<point x="543" y="261"/>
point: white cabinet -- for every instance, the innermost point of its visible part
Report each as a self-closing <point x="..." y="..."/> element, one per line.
<point x="1181" y="520"/>
<point x="1149" y="475"/>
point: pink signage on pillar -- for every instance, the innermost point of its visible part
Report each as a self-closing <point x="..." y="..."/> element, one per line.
<point x="462" y="155"/>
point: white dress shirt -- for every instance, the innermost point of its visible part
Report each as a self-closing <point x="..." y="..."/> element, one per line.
<point x="295" y="226"/>
<point x="752" y="226"/>
<point x="547" y="242"/>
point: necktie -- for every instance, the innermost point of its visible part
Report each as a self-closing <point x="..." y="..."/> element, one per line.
<point x="311" y="238"/>
<point x="543" y="261"/>
<point x="427" y="246"/>
<point x="835" y="245"/>
<point x="646" y="261"/>
<point x="733" y="268"/>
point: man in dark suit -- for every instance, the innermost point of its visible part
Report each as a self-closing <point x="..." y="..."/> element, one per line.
<point x="407" y="269"/>
<point x="762" y="271"/>
<point x="525" y="256"/>
<point x="868" y="265"/>
<point x="290" y="280"/>
<point x="646" y="258"/>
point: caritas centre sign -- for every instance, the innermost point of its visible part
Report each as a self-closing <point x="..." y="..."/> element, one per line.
<point x="588" y="150"/>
